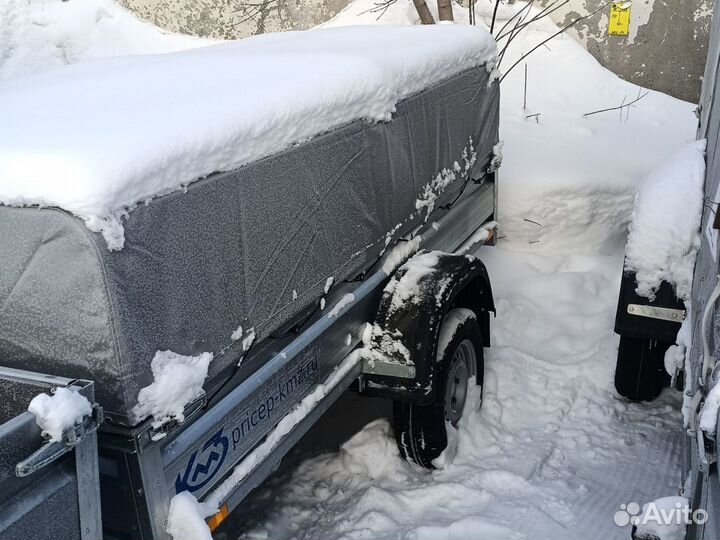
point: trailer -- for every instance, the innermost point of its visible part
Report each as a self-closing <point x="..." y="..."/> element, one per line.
<point x="342" y="261"/>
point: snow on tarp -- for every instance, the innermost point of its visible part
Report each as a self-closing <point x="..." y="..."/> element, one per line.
<point x="664" y="235"/>
<point x="148" y="125"/>
<point x="57" y="413"/>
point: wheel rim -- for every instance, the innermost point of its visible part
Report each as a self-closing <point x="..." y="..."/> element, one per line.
<point x="458" y="379"/>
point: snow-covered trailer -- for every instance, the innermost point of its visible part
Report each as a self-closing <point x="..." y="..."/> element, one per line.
<point x="220" y="319"/>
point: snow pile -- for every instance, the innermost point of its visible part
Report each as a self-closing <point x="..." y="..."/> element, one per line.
<point x="432" y="190"/>
<point x="406" y="288"/>
<point x="664" y="519"/>
<point x="400" y="253"/>
<point x="59" y="412"/>
<point x="386" y="346"/>
<point x="345" y="301"/>
<point x="664" y="231"/>
<point x="186" y="518"/>
<point x="480" y="236"/>
<point x="472" y="405"/>
<point x="177" y="382"/>
<point x="261" y="95"/>
<point x="37" y="35"/>
<point x="454" y="320"/>
<point x="237" y="333"/>
<point x="709" y="412"/>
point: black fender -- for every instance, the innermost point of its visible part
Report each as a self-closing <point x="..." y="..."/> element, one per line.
<point x="412" y="322"/>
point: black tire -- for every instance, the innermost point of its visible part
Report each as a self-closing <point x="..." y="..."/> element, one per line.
<point x="420" y="430"/>
<point x="640" y="372"/>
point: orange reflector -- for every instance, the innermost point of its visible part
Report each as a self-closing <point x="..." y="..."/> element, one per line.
<point x="215" y="521"/>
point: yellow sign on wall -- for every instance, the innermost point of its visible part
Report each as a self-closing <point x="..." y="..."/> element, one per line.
<point x="619" y="19"/>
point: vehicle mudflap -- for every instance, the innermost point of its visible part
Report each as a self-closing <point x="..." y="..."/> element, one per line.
<point x="641" y="318"/>
<point x="410" y="315"/>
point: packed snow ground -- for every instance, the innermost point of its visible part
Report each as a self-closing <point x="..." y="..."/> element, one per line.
<point x="554" y="452"/>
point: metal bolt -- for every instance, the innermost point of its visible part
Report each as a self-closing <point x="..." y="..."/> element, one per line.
<point x="84" y="480"/>
<point x="631" y="308"/>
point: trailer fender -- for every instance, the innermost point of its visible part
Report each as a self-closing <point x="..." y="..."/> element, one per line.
<point x="407" y="325"/>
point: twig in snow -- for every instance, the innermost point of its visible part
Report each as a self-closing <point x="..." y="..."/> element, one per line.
<point x="622" y="106"/>
<point x="563" y="29"/>
<point x="525" y="90"/>
<point x="533" y="222"/>
<point x="533" y="241"/>
<point x="536" y="116"/>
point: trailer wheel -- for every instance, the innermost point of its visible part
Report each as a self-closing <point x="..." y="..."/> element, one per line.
<point x="421" y="430"/>
<point x="640" y="372"/>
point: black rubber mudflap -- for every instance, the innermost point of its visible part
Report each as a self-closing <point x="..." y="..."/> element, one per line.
<point x="640" y="372"/>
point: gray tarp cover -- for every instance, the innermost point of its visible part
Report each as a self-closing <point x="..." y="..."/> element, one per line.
<point x="231" y="250"/>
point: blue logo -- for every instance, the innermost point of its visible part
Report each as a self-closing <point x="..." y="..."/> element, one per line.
<point x="203" y="464"/>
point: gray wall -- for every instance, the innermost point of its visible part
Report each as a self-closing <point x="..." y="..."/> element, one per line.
<point x="665" y="50"/>
<point x="232" y="19"/>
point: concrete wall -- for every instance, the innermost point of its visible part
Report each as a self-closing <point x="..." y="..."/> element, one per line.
<point x="665" y="50"/>
<point x="231" y="19"/>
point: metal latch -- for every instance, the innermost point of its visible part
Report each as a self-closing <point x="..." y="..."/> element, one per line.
<point x="652" y="312"/>
<point x="50" y="451"/>
<point x="152" y="435"/>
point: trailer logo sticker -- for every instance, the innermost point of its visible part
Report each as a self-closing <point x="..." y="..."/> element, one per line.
<point x="247" y="424"/>
<point x="200" y="470"/>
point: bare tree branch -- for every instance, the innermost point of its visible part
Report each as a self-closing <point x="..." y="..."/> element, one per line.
<point x="543" y="42"/>
<point x="511" y="19"/>
<point x="494" y="16"/>
<point x="546" y="12"/>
